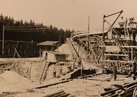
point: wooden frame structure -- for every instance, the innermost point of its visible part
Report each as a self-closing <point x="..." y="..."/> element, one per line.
<point x="123" y="37"/>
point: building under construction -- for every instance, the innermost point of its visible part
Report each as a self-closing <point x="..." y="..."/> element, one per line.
<point x="84" y="66"/>
<point x="115" y="46"/>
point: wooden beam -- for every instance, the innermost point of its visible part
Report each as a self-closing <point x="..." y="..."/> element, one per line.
<point x="3" y="40"/>
<point x="116" y="55"/>
<point x="128" y="46"/>
<point x="115" y="61"/>
<point x="116" y="89"/>
<point x="44" y="72"/>
<point x="52" y="84"/>
<point x="122" y="46"/>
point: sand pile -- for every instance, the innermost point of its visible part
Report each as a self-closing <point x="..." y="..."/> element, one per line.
<point x="65" y="49"/>
<point x="11" y="81"/>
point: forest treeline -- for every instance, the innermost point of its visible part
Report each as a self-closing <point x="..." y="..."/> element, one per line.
<point x="19" y="30"/>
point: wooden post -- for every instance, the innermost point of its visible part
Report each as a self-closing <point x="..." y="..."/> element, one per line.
<point x="88" y="32"/>
<point x="115" y="71"/>
<point x="40" y="50"/>
<point x="132" y="54"/>
<point x="134" y="68"/>
<point x="3" y="35"/>
<point x="81" y="63"/>
<point x="103" y="27"/>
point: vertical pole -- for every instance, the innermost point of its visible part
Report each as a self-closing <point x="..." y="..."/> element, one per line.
<point x="103" y="48"/>
<point x="3" y="39"/>
<point x="40" y="52"/>
<point x="134" y="68"/>
<point x="88" y="24"/>
<point x="103" y="26"/>
<point x="115" y="70"/>
<point x="79" y="48"/>
<point x="132" y="57"/>
<point x="88" y="32"/>
<point x="81" y="70"/>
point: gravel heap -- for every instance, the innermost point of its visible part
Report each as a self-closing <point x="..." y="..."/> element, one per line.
<point x="11" y="81"/>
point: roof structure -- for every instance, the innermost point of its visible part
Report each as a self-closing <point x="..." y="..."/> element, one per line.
<point x="48" y="43"/>
<point x="57" y="53"/>
<point x="88" y="34"/>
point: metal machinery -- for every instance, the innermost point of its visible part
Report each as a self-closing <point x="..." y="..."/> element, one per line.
<point x="114" y="47"/>
<point x="120" y="45"/>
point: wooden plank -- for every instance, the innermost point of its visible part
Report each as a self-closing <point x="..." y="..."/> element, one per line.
<point x="17" y="53"/>
<point x="128" y="46"/>
<point x="121" y="46"/>
<point x="53" y="94"/>
<point x="47" y="85"/>
<point x="123" y="87"/>
<point x="117" y="55"/>
<point x="44" y="72"/>
<point x="115" y="61"/>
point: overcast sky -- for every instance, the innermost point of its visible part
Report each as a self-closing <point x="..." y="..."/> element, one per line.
<point x="67" y="14"/>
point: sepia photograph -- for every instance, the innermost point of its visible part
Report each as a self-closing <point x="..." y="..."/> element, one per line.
<point x="68" y="48"/>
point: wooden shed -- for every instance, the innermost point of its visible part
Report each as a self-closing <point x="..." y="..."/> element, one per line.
<point x="48" y="46"/>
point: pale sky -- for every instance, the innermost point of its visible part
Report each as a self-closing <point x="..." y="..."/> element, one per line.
<point x="67" y="14"/>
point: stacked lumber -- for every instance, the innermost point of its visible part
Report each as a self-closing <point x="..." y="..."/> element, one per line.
<point x="58" y="94"/>
<point x="121" y="90"/>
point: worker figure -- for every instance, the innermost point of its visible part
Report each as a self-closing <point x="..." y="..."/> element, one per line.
<point x="80" y="65"/>
<point x="54" y="72"/>
<point x="115" y="71"/>
<point x="79" y="62"/>
<point x="81" y="68"/>
<point x="134" y="68"/>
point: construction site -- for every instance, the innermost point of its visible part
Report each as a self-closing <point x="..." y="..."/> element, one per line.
<point x="100" y="64"/>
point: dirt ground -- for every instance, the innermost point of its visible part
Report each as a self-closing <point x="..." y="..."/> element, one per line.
<point x="14" y="85"/>
<point x="89" y="87"/>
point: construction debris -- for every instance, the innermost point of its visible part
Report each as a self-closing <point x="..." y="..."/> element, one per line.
<point x="54" y="83"/>
<point x="121" y="90"/>
<point x="58" y="94"/>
